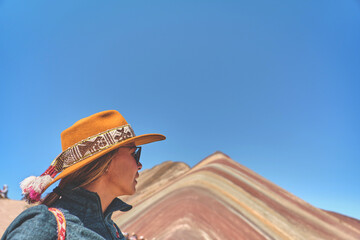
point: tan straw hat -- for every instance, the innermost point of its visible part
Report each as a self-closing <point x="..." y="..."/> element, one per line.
<point x="86" y="140"/>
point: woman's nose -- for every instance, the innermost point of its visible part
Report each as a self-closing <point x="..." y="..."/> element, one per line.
<point x="139" y="166"/>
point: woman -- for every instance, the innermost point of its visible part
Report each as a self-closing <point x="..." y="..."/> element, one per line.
<point x="99" y="162"/>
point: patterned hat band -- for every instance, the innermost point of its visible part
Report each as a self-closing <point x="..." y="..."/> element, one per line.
<point x="32" y="187"/>
<point x="91" y="146"/>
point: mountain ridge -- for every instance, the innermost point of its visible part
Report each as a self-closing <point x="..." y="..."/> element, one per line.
<point x="220" y="188"/>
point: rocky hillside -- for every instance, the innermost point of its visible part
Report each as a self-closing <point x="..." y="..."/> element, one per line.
<point x="221" y="199"/>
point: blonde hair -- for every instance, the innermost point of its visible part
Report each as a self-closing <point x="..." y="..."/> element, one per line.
<point x="83" y="176"/>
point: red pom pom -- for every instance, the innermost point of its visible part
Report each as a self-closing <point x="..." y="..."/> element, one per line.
<point x="33" y="195"/>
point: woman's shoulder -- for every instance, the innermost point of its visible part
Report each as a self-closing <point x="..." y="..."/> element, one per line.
<point x="34" y="223"/>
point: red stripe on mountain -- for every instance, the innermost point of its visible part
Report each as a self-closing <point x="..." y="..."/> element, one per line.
<point x="179" y="213"/>
<point x="291" y="216"/>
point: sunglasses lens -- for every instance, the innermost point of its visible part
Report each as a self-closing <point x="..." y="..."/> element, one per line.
<point x="137" y="155"/>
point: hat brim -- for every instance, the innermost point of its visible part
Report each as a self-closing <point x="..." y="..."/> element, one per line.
<point x="137" y="140"/>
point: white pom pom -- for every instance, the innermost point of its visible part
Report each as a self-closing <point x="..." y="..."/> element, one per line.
<point x="26" y="184"/>
<point x="36" y="184"/>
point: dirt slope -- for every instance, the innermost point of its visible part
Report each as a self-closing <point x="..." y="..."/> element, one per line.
<point x="221" y="199"/>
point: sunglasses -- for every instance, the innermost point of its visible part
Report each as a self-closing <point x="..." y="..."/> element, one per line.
<point x="135" y="154"/>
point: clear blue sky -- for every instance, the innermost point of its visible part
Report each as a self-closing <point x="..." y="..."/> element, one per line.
<point x="273" y="84"/>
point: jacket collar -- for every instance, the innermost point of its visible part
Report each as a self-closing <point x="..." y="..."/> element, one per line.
<point x="90" y="199"/>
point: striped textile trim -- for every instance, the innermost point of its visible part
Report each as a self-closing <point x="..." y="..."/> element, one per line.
<point x="91" y="146"/>
<point x="61" y="223"/>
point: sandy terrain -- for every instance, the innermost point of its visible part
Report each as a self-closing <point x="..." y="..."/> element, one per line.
<point x="9" y="209"/>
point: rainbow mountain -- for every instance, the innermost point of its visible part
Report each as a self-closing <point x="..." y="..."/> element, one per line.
<point x="222" y="199"/>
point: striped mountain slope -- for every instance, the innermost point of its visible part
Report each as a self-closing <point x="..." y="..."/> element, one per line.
<point x="221" y="199"/>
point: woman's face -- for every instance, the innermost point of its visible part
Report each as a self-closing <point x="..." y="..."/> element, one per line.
<point x="122" y="172"/>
